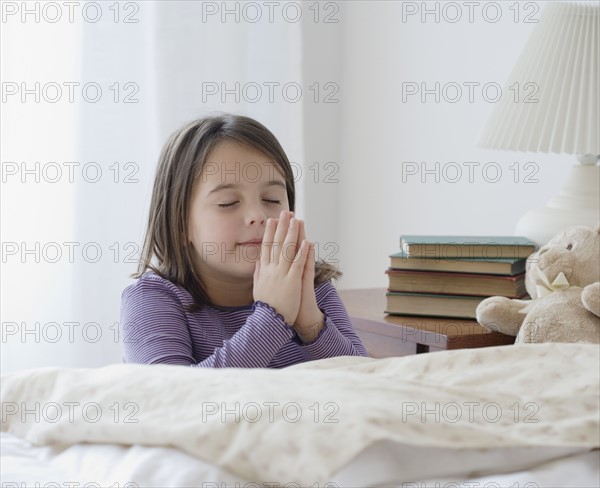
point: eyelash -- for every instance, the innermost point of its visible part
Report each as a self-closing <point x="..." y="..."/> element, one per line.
<point x="225" y="205"/>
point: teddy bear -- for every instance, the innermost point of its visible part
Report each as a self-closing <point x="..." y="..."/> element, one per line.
<point x="563" y="281"/>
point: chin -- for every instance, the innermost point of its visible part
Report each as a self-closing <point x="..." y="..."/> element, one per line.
<point x="244" y="268"/>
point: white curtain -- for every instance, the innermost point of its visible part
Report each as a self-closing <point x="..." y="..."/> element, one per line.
<point x="155" y="74"/>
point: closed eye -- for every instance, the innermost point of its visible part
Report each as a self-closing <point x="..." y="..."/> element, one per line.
<point x="225" y="205"/>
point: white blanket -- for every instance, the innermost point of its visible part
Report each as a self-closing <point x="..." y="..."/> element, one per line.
<point x="302" y="424"/>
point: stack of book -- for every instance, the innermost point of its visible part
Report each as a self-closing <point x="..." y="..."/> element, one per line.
<point x="448" y="276"/>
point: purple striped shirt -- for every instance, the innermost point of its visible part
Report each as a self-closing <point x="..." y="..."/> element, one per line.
<point x="156" y="329"/>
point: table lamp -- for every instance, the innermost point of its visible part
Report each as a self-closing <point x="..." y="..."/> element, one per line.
<point x="557" y="110"/>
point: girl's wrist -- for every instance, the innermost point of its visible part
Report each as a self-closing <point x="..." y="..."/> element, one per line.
<point x="273" y="312"/>
<point x="310" y="331"/>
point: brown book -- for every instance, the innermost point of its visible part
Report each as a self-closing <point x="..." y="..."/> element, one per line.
<point x="432" y="305"/>
<point x="456" y="283"/>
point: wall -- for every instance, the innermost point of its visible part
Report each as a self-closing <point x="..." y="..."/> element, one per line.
<point x="378" y="198"/>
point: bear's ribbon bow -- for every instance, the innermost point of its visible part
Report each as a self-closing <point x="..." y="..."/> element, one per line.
<point x="559" y="283"/>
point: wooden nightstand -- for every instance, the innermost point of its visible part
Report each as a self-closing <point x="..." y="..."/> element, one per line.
<point x="393" y="335"/>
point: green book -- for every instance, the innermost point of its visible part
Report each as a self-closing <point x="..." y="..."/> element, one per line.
<point x="459" y="247"/>
<point x="497" y="266"/>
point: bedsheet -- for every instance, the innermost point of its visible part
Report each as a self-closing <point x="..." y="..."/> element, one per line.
<point x="380" y="465"/>
<point x="468" y="413"/>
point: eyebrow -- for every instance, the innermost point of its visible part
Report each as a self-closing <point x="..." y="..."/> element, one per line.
<point x="226" y="186"/>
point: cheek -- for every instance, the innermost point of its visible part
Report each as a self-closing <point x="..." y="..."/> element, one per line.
<point x="204" y="227"/>
<point x="218" y="227"/>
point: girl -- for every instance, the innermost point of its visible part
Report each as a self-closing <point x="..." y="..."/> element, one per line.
<point x="226" y="276"/>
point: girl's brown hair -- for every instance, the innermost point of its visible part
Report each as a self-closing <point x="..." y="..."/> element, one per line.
<point x="180" y="165"/>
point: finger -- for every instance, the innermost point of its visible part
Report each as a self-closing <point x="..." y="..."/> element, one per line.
<point x="267" y="244"/>
<point x="280" y="235"/>
<point x="273" y="247"/>
<point x="309" y="267"/>
<point x="301" y="234"/>
<point x="300" y="260"/>
<point x="288" y="250"/>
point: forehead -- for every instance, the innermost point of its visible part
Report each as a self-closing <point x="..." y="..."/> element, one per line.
<point x="233" y="163"/>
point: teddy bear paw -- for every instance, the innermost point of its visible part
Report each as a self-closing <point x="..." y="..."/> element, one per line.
<point x="591" y="298"/>
<point x="500" y="314"/>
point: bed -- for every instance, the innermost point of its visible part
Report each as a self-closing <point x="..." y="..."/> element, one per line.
<point x="515" y="416"/>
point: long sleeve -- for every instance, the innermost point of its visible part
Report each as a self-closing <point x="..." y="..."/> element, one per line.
<point x="155" y="330"/>
<point x="337" y="337"/>
<point x="255" y="344"/>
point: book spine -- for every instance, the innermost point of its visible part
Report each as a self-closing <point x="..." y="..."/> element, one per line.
<point x="459" y="251"/>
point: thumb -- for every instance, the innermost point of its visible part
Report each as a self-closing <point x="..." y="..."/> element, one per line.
<point x="256" y="271"/>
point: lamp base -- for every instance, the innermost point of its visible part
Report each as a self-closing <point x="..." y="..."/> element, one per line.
<point x="577" y="203"/>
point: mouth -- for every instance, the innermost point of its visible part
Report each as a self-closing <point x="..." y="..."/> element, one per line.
<point x="251" y="243"/>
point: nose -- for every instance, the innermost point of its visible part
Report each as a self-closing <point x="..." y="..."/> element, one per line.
<point x="255" y="215"/>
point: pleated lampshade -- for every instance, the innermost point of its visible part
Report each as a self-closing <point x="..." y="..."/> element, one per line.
<point x="551" y="100"/>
